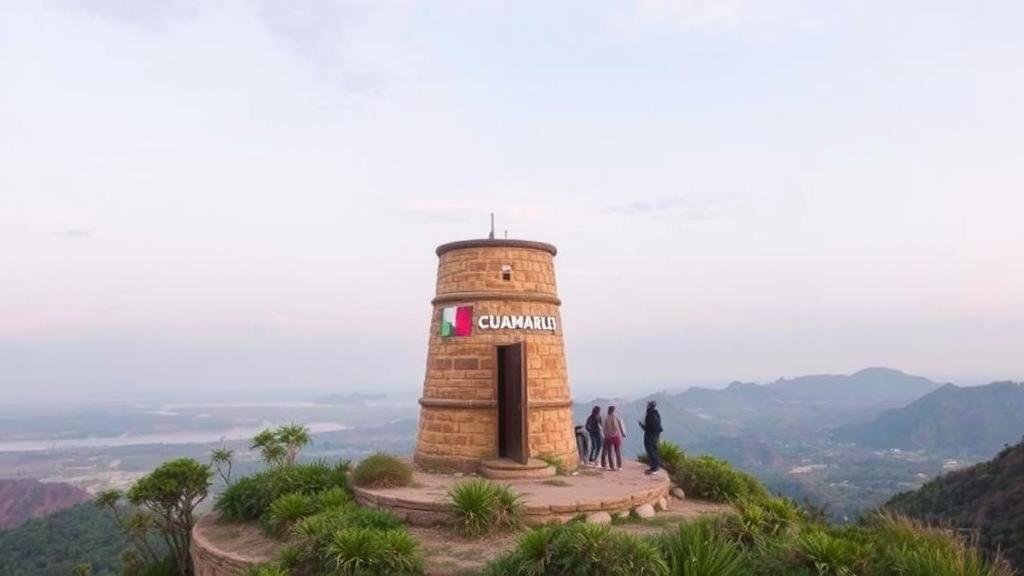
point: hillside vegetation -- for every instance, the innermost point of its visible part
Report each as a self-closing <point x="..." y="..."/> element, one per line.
<point x="975" y="420"/>
<point x="988" y="497"/>
<point x="53" y="546"/>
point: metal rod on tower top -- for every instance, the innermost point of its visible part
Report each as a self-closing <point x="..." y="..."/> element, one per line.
<point x="491" y="236"/>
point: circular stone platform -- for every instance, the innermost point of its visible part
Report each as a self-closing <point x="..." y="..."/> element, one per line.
<point x="223" y="548"/>
<point x="556" y="499"/>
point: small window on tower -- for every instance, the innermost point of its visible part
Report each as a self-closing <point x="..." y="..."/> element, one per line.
<point x="506" y="272"/>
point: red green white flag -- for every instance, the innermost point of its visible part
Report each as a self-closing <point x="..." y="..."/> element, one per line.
<point x="457" y="321"/>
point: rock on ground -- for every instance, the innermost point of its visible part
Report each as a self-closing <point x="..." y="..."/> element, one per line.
<point x="645" y="511"/>
<point x="677" y="492"/>
<point x="599" y="518"/>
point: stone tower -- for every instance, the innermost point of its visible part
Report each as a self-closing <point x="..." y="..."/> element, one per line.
<point x="496" y="391"/>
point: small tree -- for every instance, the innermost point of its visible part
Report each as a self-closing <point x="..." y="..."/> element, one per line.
<point x="294" y="437"/>
<point x="170" y="494"/>
<point x="222" y="459"/>
<point x="137" y="527"/>
<point x="281" y="447"/>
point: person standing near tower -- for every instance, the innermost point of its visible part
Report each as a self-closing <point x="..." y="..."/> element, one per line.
<point x="652" y="435"/>
<point x="593" y="428"/>
<point x="614" y="432"/>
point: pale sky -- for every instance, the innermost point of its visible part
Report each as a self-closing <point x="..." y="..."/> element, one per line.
<point x="229" y="196"/>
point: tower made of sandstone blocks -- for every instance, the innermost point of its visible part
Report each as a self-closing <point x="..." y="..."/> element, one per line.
<point x="496" y="309"/>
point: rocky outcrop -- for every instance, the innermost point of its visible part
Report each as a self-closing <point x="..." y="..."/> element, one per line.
<point x="22" y="499"/>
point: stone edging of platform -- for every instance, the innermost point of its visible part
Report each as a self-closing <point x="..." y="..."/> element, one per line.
<point x="209" y="559"/>
<point x="438" y="513"/>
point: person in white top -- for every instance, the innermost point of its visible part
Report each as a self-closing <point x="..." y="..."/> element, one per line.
<point x="614" y="432"/>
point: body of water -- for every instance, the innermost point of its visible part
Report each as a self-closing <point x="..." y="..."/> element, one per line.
<point x="177" y="437"/>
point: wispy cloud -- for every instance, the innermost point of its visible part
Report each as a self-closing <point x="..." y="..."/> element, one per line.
<point x="73" y="234"/>
<point x="675" y="207"/>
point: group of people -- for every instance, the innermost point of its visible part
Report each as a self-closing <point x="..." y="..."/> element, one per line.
<point x="601" y="437"/>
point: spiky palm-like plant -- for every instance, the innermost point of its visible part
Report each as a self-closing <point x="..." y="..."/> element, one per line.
<point x="696" y="549"/>
<point x="222" y="459"/>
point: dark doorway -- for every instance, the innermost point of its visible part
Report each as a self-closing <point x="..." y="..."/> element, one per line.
<point x="512" y="423"/>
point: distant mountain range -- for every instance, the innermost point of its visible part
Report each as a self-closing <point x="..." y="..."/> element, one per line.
<point x="784" y="409"/>
<point x="976" y="420"/>
<point x="22" y="499"/>
<point x="349" y="398"/>
<point x="987" y="497"/>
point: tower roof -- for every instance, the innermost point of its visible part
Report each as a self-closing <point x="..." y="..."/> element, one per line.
<point x="496" y="243"/>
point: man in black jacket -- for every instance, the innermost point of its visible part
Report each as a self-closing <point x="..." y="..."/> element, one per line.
<point x="652" y="434"/>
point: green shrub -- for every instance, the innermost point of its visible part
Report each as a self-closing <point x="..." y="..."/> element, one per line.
<point x="288" y="509"/>
<point x="365" y="551"/>
<point x="672" y="456"/>
<point x="244" y="500"/>
<point x="767" y="517"/>
<point x="714" y="479"/>
<point x="382" y="471"/>
<point x="250" y="497"/>
<point x="373" y="518"/>
<point x="579" y="549"/>
<point x="830" y="555"/>
<point x="905" y="547"/>
<point x="698" y="549"/>
<point x="481" y="507"/>
<point x="333" y="498"/>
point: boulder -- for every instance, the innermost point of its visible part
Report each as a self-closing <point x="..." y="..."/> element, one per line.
<point x="599" y="518"/>
<point x="662" y="504"/>
<point x="677" y="492"/>
<point x="644" y="511"/>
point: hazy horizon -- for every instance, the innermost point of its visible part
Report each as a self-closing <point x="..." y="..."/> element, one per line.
<point x="215" y="197"/>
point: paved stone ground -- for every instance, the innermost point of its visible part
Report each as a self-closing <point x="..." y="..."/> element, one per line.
<point x="547" y="499"/>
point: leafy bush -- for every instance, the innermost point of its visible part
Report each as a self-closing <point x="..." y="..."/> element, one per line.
<point x="365" y="551"/>
<point x="246" y="499"/>
<point x="481" y="507"/>
<point x="767" y="517"/>
<point x="289" y="509"/>
<point x="250" y="497"/>
<point x="579" y="549"/>
<point x="333" y="498"/>
<point x="697" y="549"/>
<point x="830" y="555"/>
<point x="382" y="471"/>
<point x="714" y="479"/>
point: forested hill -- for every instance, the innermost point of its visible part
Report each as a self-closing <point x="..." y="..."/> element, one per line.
<point x="987" y="497"/>
<point x="975" y="420"/>
<point x="54" y="545"/>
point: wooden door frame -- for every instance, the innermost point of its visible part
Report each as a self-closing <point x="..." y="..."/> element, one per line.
<point x="524" y="415"/>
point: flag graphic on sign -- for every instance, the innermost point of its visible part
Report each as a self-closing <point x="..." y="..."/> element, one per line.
<point x="457" y="321"/>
